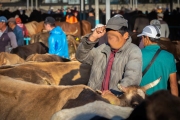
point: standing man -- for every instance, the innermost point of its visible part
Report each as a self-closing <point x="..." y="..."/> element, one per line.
<point x="140" y="22"/>
<point x="118" y="61"/>
<point x="17" y="31"/>
<point x="164" y="26"/>
<point x="57" y="41"/>
<point x="163" y="66"/>
<point x="91" y="18"/>
<point x="7" y="37"/>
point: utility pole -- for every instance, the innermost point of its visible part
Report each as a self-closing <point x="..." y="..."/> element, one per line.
<point x="27" y="1"/>
<point x="97" y="12"/>
<point x="107" y="10"/>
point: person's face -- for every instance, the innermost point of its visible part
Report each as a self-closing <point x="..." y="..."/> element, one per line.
<point x="2" y="24"/>
<point x="145" y="40"/>
<point x="75" y="14"/>
<point x="10" y="24"/>
<point x="47" y="27"/>
<point x="115" y="39"/>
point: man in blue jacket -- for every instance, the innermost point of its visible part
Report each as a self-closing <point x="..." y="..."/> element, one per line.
<point x="57" y="41"/>
<point x="17" y="31"/>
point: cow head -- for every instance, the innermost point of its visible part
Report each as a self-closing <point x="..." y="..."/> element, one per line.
<point x="134" y="95"/>
<point x="131" y="97"/>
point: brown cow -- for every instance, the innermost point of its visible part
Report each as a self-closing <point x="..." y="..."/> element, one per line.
<point x="70" y="29"/>
<point x="58" y="73"/>
<point x="46" y="58"/>
<point x="28" y="73"/>
<point x="10" y="59"/>
<point x="21" y="100"/>
<point x="34" y="27"/>
<point x="40" y="37"/>
<point x="75" y="28"/>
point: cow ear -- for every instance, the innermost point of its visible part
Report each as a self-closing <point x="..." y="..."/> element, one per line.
<point x="141" y="93"/>
<point x="122" y="88"/>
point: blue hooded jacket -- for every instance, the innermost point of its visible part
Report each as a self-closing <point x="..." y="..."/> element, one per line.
<point x="58" y="44"/>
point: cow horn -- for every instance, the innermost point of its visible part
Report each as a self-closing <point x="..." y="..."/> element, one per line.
<point x="120" y="87"/>
<point x="150" y="85"/>
<point x="73" y="33"/>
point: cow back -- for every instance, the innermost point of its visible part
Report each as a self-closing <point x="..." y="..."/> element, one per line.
<point x="26" y="50"/>
<point x="86" y="27"/>
<point x="46" y="58"/>
<point x="10" y="59"/>
<point x="70" y="29"/>
<point x="22" y="100"/>
<point x="31" y="27"/>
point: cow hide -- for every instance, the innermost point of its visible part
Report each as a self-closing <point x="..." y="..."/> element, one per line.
<point x="10" y="59"/>
<point x="58" y="73"/>
<point x="26" y="101"/>
<point x="46" y="58"/>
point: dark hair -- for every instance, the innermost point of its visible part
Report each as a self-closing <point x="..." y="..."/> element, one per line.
<point x="51" y="24"/>
<point x="154" y="39"/>
<point x="123" y="30"/>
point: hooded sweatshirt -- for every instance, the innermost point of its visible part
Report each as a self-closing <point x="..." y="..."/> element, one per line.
<point x="58" y="44"/>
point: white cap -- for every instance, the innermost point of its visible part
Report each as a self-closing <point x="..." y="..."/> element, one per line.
<point x="151" y="31"/>
<point x="98" y="25"/>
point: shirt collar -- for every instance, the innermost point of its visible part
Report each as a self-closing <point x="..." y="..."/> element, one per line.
<point x="155" y="46"/>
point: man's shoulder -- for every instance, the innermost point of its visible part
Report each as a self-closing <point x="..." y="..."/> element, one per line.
<point x="166" y="53"/>
<point x="133" y="46"/>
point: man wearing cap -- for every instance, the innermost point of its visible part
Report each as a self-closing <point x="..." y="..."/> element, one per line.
<point x="57" y="41"/>
<point x="22" y="26"/>
<point x="163" y="66"/>
<point x="164" y="26"/>
<point x="7" y="37"/>
<point x="17" y="31"/>
<point x="118" y="61"/>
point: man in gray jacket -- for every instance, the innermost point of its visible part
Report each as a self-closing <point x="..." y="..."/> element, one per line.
<point x="164" y="26"/>
<point x="118" y="61"/>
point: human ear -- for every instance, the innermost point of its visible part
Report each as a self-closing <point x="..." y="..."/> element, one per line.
<point x="126" y="35"/>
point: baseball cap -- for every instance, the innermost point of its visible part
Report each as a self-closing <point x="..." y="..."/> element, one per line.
<point x="11" y="20"/>
<point x="156" y="23"/>
<point x="50" y="20"/>
<point x="3" y="19"/>
<point x="116" y="22"/>
<point x="150" y="31"/>
<point x="98" y="25"/>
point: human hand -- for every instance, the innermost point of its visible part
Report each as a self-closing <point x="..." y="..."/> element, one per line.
<point x="97" y="33"/>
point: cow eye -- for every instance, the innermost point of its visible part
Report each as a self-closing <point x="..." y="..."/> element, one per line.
<point x="135" y="104"/>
